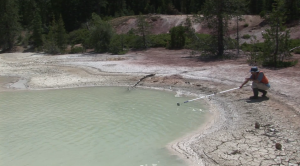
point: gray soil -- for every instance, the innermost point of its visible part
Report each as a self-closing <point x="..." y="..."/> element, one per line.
<point x="230" y="138"/>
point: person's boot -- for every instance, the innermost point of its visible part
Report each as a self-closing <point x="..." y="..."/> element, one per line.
<point x="264" y="92"/>
<point x="255" y="92"/>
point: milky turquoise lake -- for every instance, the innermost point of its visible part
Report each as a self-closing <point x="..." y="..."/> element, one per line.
<point x="98" y="126"/>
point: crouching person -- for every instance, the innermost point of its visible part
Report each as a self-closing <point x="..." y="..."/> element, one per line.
<point x="260" y="83"/>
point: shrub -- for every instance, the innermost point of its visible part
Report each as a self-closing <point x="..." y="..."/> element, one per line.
<point x="257" y="47"/>
<point x="76" y="49"/>
<point x="159" y="40"/>
<point x="177" y="37"/>
<point x="78" y="36"/>
<point x="117" y="44"/>
<point x="246" y="25"/>
<point x="280" y="64"/>
<point x="246" y="36"/>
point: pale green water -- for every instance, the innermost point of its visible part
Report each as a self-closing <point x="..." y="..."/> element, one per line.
<point x="103" y="126"/>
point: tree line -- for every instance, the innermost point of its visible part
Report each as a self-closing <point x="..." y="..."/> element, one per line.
<point x="51" y="25"/>
<point x="75" y="12"/>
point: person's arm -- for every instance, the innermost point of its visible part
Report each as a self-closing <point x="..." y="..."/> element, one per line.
<point x="245" y="82"/>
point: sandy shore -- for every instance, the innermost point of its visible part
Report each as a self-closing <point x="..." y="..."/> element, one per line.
<point x="230" y="138"/>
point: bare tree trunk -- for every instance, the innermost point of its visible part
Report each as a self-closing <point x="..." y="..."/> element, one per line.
<point x="220" y="29"/>
<point x="276" y="42"/>
<point x="237" y="36"/>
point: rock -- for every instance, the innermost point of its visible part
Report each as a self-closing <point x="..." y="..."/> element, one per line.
<point x="257" y="125"/>
<point x="278" y="146"/>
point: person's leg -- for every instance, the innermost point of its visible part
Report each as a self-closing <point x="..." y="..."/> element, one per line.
<point x="261" y="88"/>
<point x="264" y="92"/>
<point x="255" y="93"/>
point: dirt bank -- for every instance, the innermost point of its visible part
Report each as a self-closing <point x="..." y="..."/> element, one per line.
<point x="231" y="138"/>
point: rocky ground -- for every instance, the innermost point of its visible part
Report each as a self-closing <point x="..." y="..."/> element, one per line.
<point x="231" y="137"/>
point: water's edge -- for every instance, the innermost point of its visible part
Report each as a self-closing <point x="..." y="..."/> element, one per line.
<point x="179" y="147"/>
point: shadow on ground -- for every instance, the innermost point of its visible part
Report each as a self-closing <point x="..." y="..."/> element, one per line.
<point x="260" y="99"/>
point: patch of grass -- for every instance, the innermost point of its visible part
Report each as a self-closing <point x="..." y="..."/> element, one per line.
<point x="246" y="36"/>
<point x="257" y="47"/>
<point x="294" y="43"/>
<point x="75" y="50"/>
<point x="159" y="40"/>
<point x="280" y="64"/>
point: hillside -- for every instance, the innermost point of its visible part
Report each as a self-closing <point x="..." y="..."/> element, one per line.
<point x="251" y="24"/>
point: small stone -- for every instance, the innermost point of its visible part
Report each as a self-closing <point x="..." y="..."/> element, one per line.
<point x="257" y="125"/>
<point x="278" y="146"/>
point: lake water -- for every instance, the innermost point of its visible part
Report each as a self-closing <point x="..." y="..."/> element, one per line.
<point x="99" y="126"/>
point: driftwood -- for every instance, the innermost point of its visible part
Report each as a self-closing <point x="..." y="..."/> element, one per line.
<point x="294" y="48"/>
<point x="149" y="75"/>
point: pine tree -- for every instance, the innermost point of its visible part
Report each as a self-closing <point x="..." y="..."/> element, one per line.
<point x="143" y="30"/>
<point x="61" y="35"/>
<point x="238" y="8"/>
<point x="37" y="30"/>
<point x="277" y="38"/>
<point x="216" y="17"/>
<point x="9" y="23"/>
<point x="50" y="45"/>
<point x="177" y="37"/>
<point x="56" y="38"/>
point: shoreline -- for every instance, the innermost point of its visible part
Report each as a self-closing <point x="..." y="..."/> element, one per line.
<point x="229" y="139"/>
<point x="178" y="147"/>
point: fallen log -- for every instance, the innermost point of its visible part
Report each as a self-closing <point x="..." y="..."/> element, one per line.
<point x="294" y="48"/>
<point x="149" y="75"/>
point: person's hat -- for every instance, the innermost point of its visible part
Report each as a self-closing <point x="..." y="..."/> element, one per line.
<point x="254" y="69"/>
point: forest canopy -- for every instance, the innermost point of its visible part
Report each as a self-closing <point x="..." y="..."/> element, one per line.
<point x="52" y="26"/>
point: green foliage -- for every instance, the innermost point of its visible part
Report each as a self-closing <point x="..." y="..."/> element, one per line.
<point x="246" y="36"/>
<point x="297" y="51"/>
<point x="9" y="25"/>
<point x="50" y="47"/>
<point x="61" y="35"/>
<point x="276" y="38"/>
<point x="56" y="39"/>
<point x="246" y="25"/>
<point x="253" y="46"/>
<point x="293" y="7"/>
<point x="117" y="44"/>
<point x="159" y="40"/>
<point x="26" y="39"/>
<point x="77" y="49"/>
<point x="280" y="64"/>
<point x="27" y="11"/>
<point x="79" y="36"/>
<point x="196" y="41"/>
<point x="294" y="43"/>
<point x="143" y="31"/>
<point x="37" y="30"/>
<point x="216" y="15"/>
<point x="100" y="35"/>
<point x="254" y="50"/>
<point x="177" y="37"/>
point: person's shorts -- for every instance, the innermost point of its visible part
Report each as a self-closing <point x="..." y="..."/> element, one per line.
<point x="261" y="86"/>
